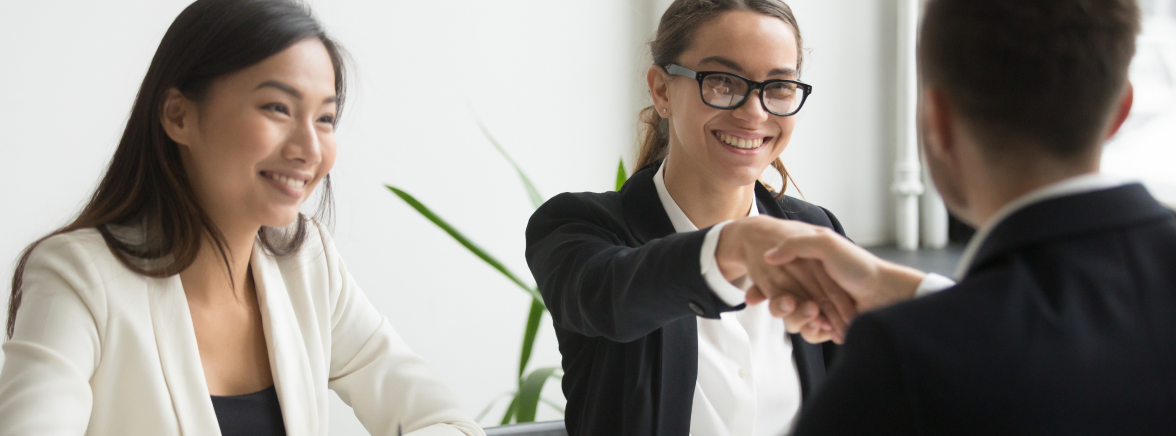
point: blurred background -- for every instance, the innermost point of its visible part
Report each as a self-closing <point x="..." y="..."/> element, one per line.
<point x="559" y="85"/>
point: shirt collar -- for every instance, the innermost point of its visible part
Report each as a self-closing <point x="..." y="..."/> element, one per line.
<point x="681" y="222"/>
<point x="1072" y="186"/>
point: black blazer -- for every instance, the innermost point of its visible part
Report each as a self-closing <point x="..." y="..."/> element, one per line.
<point x="624" y="291"/>
<point x="1065" y="324"/>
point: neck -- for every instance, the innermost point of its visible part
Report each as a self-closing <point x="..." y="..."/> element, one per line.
<point x="207" y="281"/>
<point x="997" y="184"/>
<point x="703" y="200"/>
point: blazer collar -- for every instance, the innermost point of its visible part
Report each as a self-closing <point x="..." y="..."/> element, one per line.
<point x="646" y="217"/>
<point x="642" y="208"/>
<point x="293" y="376"/>
<point x="179" y="355"/>
<point x="1065" y="216"/>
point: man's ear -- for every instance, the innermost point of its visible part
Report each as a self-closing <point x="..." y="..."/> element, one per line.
<point x="1123" y="110"/>
<point x="938" y="123"/>
<point x="178" y="116"/>
<point x="659" y="89"/>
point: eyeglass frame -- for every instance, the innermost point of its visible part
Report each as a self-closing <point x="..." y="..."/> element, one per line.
<point x="678" y="70"/>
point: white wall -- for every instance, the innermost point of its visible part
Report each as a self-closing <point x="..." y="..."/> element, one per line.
<point x="555" y="81"/>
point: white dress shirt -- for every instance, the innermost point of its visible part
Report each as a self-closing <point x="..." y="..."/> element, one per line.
<point x="748" y="383"/>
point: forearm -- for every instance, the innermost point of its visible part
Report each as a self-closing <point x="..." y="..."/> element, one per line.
<point x="596" y="288"/>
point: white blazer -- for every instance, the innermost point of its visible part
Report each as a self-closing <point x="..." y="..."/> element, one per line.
<point x="102" y="350"/>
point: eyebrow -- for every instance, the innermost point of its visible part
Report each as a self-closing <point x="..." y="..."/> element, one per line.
<point x="290" y="90"/>
<point x="790" y="72"/>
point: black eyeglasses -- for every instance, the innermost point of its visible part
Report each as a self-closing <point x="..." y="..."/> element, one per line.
<point x="728" y="91"/>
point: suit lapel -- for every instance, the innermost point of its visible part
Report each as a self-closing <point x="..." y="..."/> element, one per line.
<point x="293" y="377"/>
<point x="810" y="365"/>
<point x="643" y="210"/>
<point x="179" y="356"/>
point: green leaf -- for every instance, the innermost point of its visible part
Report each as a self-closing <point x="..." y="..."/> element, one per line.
<point x="528" y="399"/>
<point x="532" y="193"/>
<point x="529" y="335"/>
<point x="461" y="239"/>
<point x="512" y="395"/>
<point x="510" y="411"/>
<point x="622" y="176"/>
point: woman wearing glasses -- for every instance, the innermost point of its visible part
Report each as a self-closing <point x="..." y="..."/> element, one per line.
<point x="648" y="309"/>
<point x="191" y="296"/>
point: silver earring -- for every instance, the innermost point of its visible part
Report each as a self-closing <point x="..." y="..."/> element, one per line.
<point x="663" y="111"/>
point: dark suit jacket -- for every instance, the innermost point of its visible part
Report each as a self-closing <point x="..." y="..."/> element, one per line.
<point x="624" y="291"/>
<point x="1065" y="324"/>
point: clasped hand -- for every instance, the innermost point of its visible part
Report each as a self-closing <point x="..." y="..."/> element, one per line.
<point x="816" y="280"/>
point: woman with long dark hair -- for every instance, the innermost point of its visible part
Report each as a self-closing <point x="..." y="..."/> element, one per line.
<point x="651" y="313"/>
<point x="191" y="296"/>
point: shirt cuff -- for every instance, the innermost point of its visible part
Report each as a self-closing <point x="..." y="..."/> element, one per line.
<point x="933" y="283"/>
<point x="732" y="293"/>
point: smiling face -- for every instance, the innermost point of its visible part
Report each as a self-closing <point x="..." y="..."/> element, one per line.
<point x="731" y="147"/>
<point x="261" y="139"/>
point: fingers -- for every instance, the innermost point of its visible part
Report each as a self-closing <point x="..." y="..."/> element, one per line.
<point x="813" y="334"/>
<point x="838" y="295"/>
<point x="805" y="313"/>
<point x="804" y="246"/>
<point x="803" y="272"/>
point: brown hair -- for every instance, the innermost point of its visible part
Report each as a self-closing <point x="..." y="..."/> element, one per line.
<point x="1039" y="73"/>
<point x="145" y="186"/>
<point x="675" y="34"/>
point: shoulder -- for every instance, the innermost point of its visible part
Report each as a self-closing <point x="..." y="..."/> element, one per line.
<point x="595" y="208"/>
<point x="581" y="205"/>
<point x="800" y="210"/>
<point x="78" y="264"/>
<point x="81" y="254"/>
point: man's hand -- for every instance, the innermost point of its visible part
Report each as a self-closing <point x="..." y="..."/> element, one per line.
<point x="871" y="282"/>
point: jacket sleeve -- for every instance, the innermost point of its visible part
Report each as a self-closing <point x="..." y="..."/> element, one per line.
<point x="596" y="285"/>
<point x="44" y="383"/>
<point x="865" y="392"/>
<point x="374" y="371"/>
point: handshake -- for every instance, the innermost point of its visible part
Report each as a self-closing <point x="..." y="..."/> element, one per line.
<point x="813" y="278"/>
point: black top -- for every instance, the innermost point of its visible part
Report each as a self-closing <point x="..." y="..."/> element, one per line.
<point x="624" y="290"/>
<point x="256" y="414"/>
<point x="1064" y="325"/>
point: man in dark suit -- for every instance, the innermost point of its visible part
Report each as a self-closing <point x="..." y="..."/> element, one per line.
<point x="1064" y="317"/>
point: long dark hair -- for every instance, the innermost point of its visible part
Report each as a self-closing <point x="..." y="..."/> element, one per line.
<point x="675" y="34"/>
<point x="146" y="186"/>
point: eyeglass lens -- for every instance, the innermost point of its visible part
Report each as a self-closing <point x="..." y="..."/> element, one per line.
<point x="726" y="91"/>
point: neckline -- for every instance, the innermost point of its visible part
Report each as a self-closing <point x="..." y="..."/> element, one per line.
<point x="261" y="392"/>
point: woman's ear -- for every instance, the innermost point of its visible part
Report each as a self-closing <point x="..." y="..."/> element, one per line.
<point x="659" y="89"/>
<point x="178" y="117"/>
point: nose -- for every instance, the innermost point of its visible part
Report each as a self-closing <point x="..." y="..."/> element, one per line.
<point x="303" y="144"/>
<point x="752" y="109"/>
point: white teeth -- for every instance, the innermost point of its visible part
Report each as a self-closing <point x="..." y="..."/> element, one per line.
<point x="293" y="183"/>
<point x="740" y="143"/>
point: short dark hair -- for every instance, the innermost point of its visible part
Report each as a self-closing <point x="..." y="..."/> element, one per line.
<point x="1042" y="72"/>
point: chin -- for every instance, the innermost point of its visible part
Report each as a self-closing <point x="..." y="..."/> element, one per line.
<point x="743" y="176"/>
